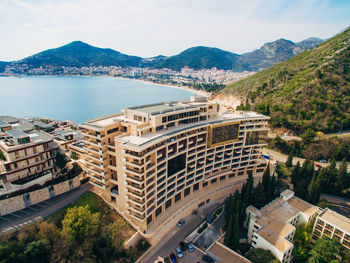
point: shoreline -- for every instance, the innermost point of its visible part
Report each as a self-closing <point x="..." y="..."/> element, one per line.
<point x="197" y="92"/>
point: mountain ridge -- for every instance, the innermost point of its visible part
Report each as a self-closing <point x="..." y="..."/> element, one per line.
<point x="79" y="54"/>
<point x="309" y="91"/>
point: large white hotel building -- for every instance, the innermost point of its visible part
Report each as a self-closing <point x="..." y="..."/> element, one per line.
<point x="157" y="163"/>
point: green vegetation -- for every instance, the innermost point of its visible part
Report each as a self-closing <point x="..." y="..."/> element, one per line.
<point x="202" y="57"/>
<point x="88" y="230"/>
<point x="302" y="243"/>
<point x="3" y="65"/>
<point x="325" y="250"/>
<point x="316" y="148"/>
<point x="60" y="160"/>
<point x="74" y="155"/>
<point x="259" y="255"/>
<point x="205" y="57"/>
<point x="80" y="225"/>
<point x="308" y="91"/>
<point x="80" y="54"/>
<point x="202" y="228"/>
<point x="235" y="205"/>
<point x="309" y="183"/>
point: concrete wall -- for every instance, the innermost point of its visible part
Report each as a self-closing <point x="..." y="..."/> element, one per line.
<point x="16" y="203"/>
<point x="132" y="241"/>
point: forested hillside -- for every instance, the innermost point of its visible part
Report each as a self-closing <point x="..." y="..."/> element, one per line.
<point x="310" y="90"/>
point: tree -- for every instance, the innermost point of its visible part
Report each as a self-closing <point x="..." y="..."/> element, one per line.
<point x="289" y="162"/>
<point x="308" y="136"/>
<point x="36" y="251"/>
<point x="259" y="255"/>
<point x="80" y="225"/>
<point x="259" y="199"/>
<point x="325" y="250"/>
<point x="295" y="174"/>
<point x="302" y="243"/>
<point x="60" y="160"/>
<point x="342" y="176"/>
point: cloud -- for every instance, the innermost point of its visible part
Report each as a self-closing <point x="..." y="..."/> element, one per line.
<point x="149" y="28"/>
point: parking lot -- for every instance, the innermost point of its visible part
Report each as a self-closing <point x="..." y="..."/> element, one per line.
<point x="190" y="257"/>
<point x="38" y="211"/>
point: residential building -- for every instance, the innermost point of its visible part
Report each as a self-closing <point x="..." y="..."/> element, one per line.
<point x="157" y="163"/>
<point x="220" y="253"/>
<point x="333" y="225"/>
<point x="27" y="156"/>
<point x="273" y="226"/>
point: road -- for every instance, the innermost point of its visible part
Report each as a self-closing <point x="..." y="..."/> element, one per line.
<point x="39" y="211"/>
<point x="175" y="235"/>
<point x="280" y="157"/>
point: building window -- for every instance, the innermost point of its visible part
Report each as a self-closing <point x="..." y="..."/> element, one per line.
<point x="167" y="203"/>
<point x="178" y="197"/>
<point x="214" y="181"/>
<point x="196" y="187"/>
<point x="187" y="191"/>
<point x="222" y="178"/>
<point x="205" y="184"/>
<point x="149" y="219"/>
<point x="158" y="211"/>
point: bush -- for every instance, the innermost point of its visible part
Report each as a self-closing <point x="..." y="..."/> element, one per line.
<point x="202" y="228"/>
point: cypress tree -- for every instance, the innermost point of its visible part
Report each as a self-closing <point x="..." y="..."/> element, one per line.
<point x="342" y="176"/>
<point x="296" y="174"/>
<point x="259" y="198"/>
<point x="289" y="162"/>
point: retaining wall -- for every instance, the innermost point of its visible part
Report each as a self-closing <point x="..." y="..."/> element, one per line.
<point x="19" y="202"/>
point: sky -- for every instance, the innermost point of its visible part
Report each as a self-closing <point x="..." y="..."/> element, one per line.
<point x="148" y="28"/>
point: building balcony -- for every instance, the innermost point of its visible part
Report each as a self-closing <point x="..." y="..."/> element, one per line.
<point x="135" y="193"/>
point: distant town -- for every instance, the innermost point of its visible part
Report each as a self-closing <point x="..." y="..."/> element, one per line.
<point x="185" y="77"/>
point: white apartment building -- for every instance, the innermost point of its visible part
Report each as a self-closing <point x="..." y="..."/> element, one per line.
<point x="273" y="226"/>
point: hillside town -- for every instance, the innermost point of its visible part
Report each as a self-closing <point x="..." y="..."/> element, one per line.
<point x="186" y="76"/>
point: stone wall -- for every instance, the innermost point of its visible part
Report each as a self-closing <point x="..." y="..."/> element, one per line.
<point x="16" y="203"/>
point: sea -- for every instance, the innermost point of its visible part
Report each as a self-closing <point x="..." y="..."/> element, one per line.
<point x="78" y="98"/>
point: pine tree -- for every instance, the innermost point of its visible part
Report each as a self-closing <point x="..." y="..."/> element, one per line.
<point x="289" y="162"/>
<point x="259" y="198"/>
<point x="342" y="176"/>
<point x="235" y="222"/>
<point x="296" y="174"/>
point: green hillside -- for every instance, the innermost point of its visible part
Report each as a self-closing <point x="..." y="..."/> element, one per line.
<point x="310" y="90"/>
<point x="80" y="54"/>
<point x="202" y="57"/>
<point x="2" y="66"/>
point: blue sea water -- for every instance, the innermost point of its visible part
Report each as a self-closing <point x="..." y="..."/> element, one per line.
<point x="78" y="98"/>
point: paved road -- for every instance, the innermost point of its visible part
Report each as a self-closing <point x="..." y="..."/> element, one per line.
<point x="39" y="211"/>
<point x="175" y="235"/>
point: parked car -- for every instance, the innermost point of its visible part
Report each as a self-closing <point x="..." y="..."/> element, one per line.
<point x="181" y="223"/>
<point x="323" y="161"/>
<point x="179" y="252"/>
<point x="167" y="260"/>
<point x="183" y="246"/>
<point x="173" y="258"/>
<point x="190" y="247"/>
<point x="207" y="259"/>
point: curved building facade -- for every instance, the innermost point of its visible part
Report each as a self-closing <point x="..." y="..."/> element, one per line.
<point x="157" y="163"/>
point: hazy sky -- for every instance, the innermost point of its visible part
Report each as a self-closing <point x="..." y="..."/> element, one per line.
<point x="151" y="27"/>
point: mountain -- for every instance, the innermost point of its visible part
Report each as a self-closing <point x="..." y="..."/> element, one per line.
<point x="268" y="55"/>
<point x="310" y="90"/>
<point x="80" y="54"/>
<point x="152" y="62"/>
<point x="201" y="58"/>
<point x="3" y="65"/>
<point x="275" y="52"/>
<point x="310" y="42"/>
